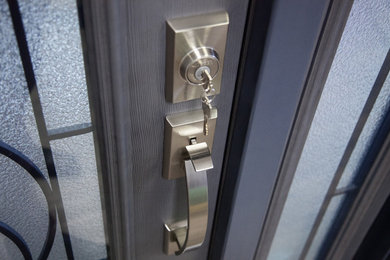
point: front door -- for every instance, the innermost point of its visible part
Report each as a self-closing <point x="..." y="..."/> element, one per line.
<point x="164" y="129"/>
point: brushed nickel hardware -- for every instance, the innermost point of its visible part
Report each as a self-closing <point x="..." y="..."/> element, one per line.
<point x="196" y="61"/>
<point x="179" y="130"/>
<point x="187" y="153"/>
<point x="194" y="45"/>
<point x="189" y="234"/>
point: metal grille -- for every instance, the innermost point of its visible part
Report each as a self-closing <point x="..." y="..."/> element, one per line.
<point x="51" y="188"/>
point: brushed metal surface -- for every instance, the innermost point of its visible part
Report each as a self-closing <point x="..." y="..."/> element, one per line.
<point x="189" y="234"/>
<point x="184" y="35"/>
<point x="196" y="60"/>
<point x="200" y="156"/>
<point x="179" y="130"/>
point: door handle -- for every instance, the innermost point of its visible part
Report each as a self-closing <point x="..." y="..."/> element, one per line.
<point x="187" y="153"/>
<point x="190" y="233"/>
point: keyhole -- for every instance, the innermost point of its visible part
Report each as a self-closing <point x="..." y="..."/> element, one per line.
<point x="199" y="72"/>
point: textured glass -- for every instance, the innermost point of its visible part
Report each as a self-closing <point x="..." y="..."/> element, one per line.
<point x="8" y="250"/>
<point x="54" y="42"/>
<point x="17" y="122"/>
<point x="53" y="35"/>
<point x="22" y="204"/>
<point x="360" y="54"/>
<point x="76" y="168"/>
<point x="325" y="226"/>
<point x="373" y="122"/>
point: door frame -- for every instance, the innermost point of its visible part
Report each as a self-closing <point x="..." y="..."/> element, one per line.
<point x="252" y="52"/>
<point x="277" y="125"/>
<point x="327" y="44"/>
<point x="101" y="24"/>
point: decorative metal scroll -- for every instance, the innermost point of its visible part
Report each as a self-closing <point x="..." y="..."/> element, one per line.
<point x="34" y="172"/>
<point x="17" y="239"/>
<point x="52" y="192"/>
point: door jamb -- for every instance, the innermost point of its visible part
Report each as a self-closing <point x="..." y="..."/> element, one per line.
<point x="255" y="35"/>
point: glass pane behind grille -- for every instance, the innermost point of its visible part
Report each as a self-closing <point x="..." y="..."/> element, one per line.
<point x="76" y="168"/>
<point x="359" y="57"/>
<point x="53" y="37"/>
<point x="380" y="108"/>
<point x="17" y="122"/>
<point x="22" y="206"/>
<point x="325" y="226"/>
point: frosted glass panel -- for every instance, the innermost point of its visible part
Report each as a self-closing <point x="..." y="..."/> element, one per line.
<point x="325" y="226"/>
<point x="366" y="137"/>
<point x="18" y="129"/>
<point x="55" y="47"/>
<point x="9" y="250"/>
<point x="361" y="52"/>
<point x="77" y="174"/>
<point x="22" y="206"/>
<point x="53" y="35"/>
<point x="17" y="122"/>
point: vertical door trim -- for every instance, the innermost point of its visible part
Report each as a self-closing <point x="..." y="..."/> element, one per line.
<point x="257" y="23"/>
<point x="332" y="30"/>
<point x="272" y="114"/>
<point x="104" y="26"/>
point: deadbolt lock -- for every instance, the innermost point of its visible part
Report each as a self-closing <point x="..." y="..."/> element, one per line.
<point x="194" y="45"/>
<point x="196" y="61"/>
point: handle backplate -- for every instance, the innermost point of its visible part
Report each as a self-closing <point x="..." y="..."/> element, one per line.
<point x="195" y="41"/>
<point x="179" y="130"/>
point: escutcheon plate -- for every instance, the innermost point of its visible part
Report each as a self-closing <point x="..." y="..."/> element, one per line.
<point x="179" y="130"/>
<point x="185" y="35"/>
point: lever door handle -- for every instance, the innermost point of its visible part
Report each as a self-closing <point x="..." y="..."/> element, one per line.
<point x="190" y="233"/>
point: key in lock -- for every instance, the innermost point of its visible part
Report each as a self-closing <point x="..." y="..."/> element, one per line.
<point x="195" y="62"/>
<point x="199" y="67"/>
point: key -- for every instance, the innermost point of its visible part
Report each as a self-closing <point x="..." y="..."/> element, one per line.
<point x="208" y="85"/>
<point x="206" y="100"/>
<point x="206" y="106"/>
